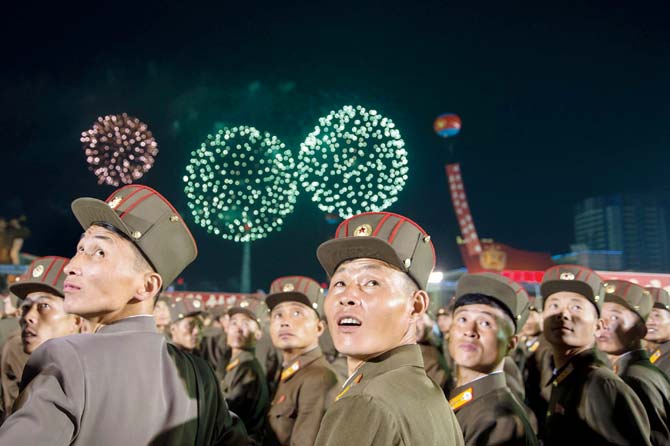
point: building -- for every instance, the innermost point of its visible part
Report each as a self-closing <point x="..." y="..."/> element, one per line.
<point x="622" y="232"/>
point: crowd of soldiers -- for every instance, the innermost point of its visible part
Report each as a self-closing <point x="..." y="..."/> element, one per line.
<point x="94" y="354"/>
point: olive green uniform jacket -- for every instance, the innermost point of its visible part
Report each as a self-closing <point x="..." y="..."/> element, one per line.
<point x="307" y="387"/>
<point x="390" y="401"/>
<point x="11" y="368"/>
<point x="246" y="392"/>
<point x="123" y="385"/>
<point x="536" y="373"/>
<point x="490" y="414"/>
<point x="435" y="365"/>
<point x="660" y="357"/>
<point x="590" y="405"/>
<point x="652" y="387"/>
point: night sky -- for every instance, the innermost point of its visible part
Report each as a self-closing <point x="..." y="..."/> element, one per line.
<point x="558" y="103"/>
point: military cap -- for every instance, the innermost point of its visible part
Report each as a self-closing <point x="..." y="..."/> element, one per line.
<point x="296" y="289"/>
<point x="253" y="308"/>
<point x="443" y="311"/>
<point x="575" y="278"/>
<point x="504" y="290"/>
<point x="44" y="274"/>
<point x="147" y="219"/>
<point x="181" y="308"/>
<point x="661" y="298"/>
<point x="630" y="295"/>
<point x="384" y="236"/>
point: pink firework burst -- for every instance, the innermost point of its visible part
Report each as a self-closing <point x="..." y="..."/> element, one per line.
<point x="119" y="149"/>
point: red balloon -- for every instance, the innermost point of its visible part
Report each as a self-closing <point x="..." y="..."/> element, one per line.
<point x="447" y="125"/>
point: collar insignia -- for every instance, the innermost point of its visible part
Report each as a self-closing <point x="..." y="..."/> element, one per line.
<point x="461" y="399"/>
<point x="653" y="358"/>
<point x="233" y="364"/>
<point x="290" y="371"/>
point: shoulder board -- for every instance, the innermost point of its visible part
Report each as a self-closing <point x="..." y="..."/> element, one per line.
<point x="232" y="365"/>
<point x="654" y="357"/>
<point x="290" y="371"/>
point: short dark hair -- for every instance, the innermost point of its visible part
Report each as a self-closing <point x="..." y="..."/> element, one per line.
<point x="483" y="299"/>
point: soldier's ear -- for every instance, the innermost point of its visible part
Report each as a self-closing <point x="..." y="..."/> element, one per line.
<point x="321" y="327"/>
<point x="420" y="302"/>
<point x="513" y="341"/>
<point x="151" y="286"/>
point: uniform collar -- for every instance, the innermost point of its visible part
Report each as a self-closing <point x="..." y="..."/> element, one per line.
<point x="243" y="356"/>
<point x="627" y="358"/>
<point x="477" y="388"/>
<point x="300" y="362"/>
<point x="580" y="361"/>
<point x="405" y="355"/>
<point x="129" y="324"/>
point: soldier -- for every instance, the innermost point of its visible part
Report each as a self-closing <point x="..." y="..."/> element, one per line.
<point x="433" y="361"/>
<point x="444" y="319"/>
<point x="378" y="264"/>
<point x="162" y="314"/>
<point x="620" y="335"/>
<point x="488" y="312"/>
<point x="123" y="384"/>
<point x="184" y="325"/>
<point x="244" y="384"/>
<point x="307" y="384"/>
<point x="588" y="403"/>
<point x="658" y="330"/>
<point x="213" y="345"/>
<point x="535" y="355"/>
<point x="40" y="296"/>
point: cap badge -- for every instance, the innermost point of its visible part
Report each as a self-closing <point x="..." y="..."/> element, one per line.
<point x="288" y="287"/>
<point x="174" y="218"/>
<point x="115" y="202"/>
<point x="407" y="263"/>
<point x="196" y="303"/>
<point x="567" y="276"/>
<point x="610" y="289"/>
<point x="244" y="304"/>
<point x="315" y="306"/>
<point x="136" y="234"/>
<point x="363" y="230"/>
<point x="426" y="239"/>
<point x="37" y="272"/>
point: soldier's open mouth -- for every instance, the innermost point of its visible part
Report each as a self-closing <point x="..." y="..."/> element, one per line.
<point x="349" y="322"/>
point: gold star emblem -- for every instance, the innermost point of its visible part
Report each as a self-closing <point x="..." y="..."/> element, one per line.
<point x="115" y="202"/>
<point x="37" y="272"/>
<point x="610" y="289"/>
<point x="567" y="276"/>
<point x="288" y="287"/>
<point x="363" y="230"/>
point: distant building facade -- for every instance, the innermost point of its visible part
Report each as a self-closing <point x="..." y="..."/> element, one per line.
<point x="622" y="232"/>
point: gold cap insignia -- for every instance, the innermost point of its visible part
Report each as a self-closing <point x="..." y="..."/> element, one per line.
<point x="315" y="306"/>
<point x="407" y="263"/>
<point x="363" y="230"/>
<point x="136" y="234"/>
<point x="288" y="287"/>
<point x="610" y="288"/>
<point x="37" y="272"/>
<point x="567" y="276"/>
<point x="115" y="202"/>
<point x="244" y="304"/>
<point x="426" y="239"/>
<point x="196" y="303"/>
<point x="174" y="218"/>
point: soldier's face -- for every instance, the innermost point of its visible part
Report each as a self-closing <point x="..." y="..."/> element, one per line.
<point x="533" y="325"/>
<point x="479" y="337"/>
<point x="101" y="277"/>
<point x="369" y="309"/>
<point x="185" y="332"/>
<point x="242" y="332"/>
<point x="294" y="326"/>
<point x="658" y="325"/>
<point x="43" y="318"/>
<point x="620" y="329"/>
<point x="444" y="322"/>
<point x="162" y="314"/>
<point x="570" y="320"/>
